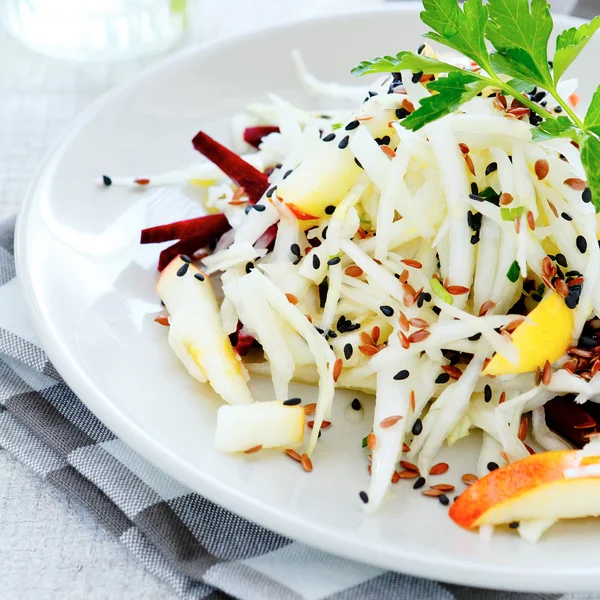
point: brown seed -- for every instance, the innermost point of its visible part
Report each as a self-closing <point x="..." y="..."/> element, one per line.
<point x="553" y="209"/>
<point x="505" y="456"/>
<point x="408" y="300"/>
<point x="453" y="371"/>
<point x="443" y="487"/>
<point x="486" y="307"/>
<point x="308" y="318"/>
<point x="547" y="282"/>
<point x="518" y="112"/>
<point x="408" y="106"/>
<point x="253" y="449"/>
<point x="510" y="327"/>
<point x="403" y="340"/>
<point x="369" y="469"/>
<point x="371" y="441"/>
<point x="585" y="425"/>
<point x="530" y="220"/>
<point x="162" y="320"/>
<point x="366" y="338"/>
<point x="576" y="281"/>
<point x="470" y="164"/>
<point x="420" y="323"/>
<point x="413" y="400"/>
<point x="537" y="377"/>
<point x="580" y="352"/>
<point x="292" y="299"/>
<point x="561" y="287"/>
<point x="409" y="466"/>
<point x="464" y="148"/>
<point x="502" y="398"/>
<point x="585" y="375"/>
<point x="457" y="290"/>
<point x="432" y="493"/>
<point x="529" y="449"/>
<point x="542" y="168"/>
<point x="375" y="333"/>
<point x="405" y="447"/>
<point x="404" y="322"/>
<point x="306" y="463"/>
<point x="523" y="429"/>
<point x="506" y="198"/>
<point x="439" y="468"/>
<point x="546" y="266"/>
<point x="389" y="421"/>
<point x="337" y="369"/>
<point x="518" y="224"/>
<point x="403" y="276"/>
<point x="418" y="336"/>
<point x="546" y="373"/>
<point x="388" y="151"/>
<point x="324" y="424"/>
<point x="437" y="276"/>
<point x="364" y="118"/>
<point x="576" y="184"/>
<point x="409" y="289"/>
<point x="469" y="478"/>
<point x="293" y="454"/>
<point x="353" y="271"/>
<point x="596" y="367"/>
<point x="310" y="409"/>
<point x="409" y="262"/>
<point x="142" y="181"/>
<point x="408" y="474"/>
<point x="395" y="477"/>
<point x="368" y="350"/>
<point x="498" y="105"/>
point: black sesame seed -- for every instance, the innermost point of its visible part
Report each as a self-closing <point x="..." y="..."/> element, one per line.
<point x="586" y="195"/>
<point x="437" y="310"/>
<point x="106" y="180"/>
<point x="199" y="276"/>
<point x="476" y="197"/>
<point x="566" y="216"/>
<point x="329" y="210"/>
<point x="323" y="291"/>
<point x="270" y="192"/>
<point x="331" y="334"/>
<point x="185" y="258"/>
<point x="442" y="378"/>
<point x="386" y="140"/>
<point x="259" y="207"/>
<point x="248" y="208"/>
<point x="419" y="483"/>
<point x="417" y="77"/>
<point x="536" y="297"/>
<point x="183" y="269"/>
<point x="364" y="497"/>
<point x="474" y="188"/>
<point x="356" y="405"/>
<point x="444" y="500"/>
<point x="357" y="162"/>
<point x="539" y="97"/>
<point x="324" y="232"/>
<point x="249" y="267"/>
<point x="288" y="173"/>
<point x="544" y="103"/>
<point x="344" y="142"/>
<point x="492" y="466"/>
<point x="454" y="359"/>
<point x="558" y="109"/>
<point x="329" y="137"/>
<point x="487" y="393"/>
<point x="401" y="375"/>
<point x="295" y="249"/>
<point x="387" y="311"/>
<point x="475" y="337"/>
<point x="573" y="273"/>
<point x="421" y="48"/>
<point x="352" y="125"/>
<point x="420" y="299"/>
<point x="571" y="301"/>
<point x="491" y="168"/>
<point x="348" y="350"/>
<point x="336" y="260"/>
<point x="581" y="244"/>
<point x="292" y="402"/>
<point x="427" y="296"/>
<point x="561" y="260"/>
<point x="514" y="525"/>
<point x="373" y="94"/>
<point x="475" y="238"/>
<point x="319" y="330"/>
<point x="417" y="428"/>
<point x="401" y="113"/>
<point x="316" y="262"/>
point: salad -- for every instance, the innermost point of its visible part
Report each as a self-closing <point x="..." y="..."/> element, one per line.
<point x="435" y="246"/>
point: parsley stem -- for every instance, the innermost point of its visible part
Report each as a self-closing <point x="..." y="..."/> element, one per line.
<point x="530" y="104"/>
<point x="568" y="110"/>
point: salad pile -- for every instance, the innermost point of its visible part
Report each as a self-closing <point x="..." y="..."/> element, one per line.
<point x="435" y="247"/>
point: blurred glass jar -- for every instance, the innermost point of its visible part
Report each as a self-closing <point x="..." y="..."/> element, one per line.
<point x="96" y="30"/>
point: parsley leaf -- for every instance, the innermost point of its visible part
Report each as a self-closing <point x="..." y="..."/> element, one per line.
<point x="569" y="45"/>
<point x="462" y="30"/>
<point x="519" y="34"/>
<point x="554" y="128"/>
<point x="514" y="272"/>
<point x="452" y="91"/>
<point x="590" y="157"/>
<point x="592" y="118"/>
<point x="403" y="61"/>
<point x="518" y="63"/>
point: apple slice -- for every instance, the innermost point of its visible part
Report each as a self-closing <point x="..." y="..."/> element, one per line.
<point x="263" y="424"/>
<point x="533" y="488"/>
<point x="546" y="338"/>
<point x="196" y="334"/>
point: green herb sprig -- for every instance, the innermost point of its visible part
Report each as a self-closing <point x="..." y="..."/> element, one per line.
<point x="519" y="32"/>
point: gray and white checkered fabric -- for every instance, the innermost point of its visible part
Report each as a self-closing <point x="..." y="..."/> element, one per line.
<point x="202" y="550"/>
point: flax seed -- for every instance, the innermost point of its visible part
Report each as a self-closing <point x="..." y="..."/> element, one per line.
<point x="542" y="168"/>
<point x="439" y="468"/>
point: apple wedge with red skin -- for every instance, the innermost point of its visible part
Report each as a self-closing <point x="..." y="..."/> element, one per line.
<point x="531" y="489"/>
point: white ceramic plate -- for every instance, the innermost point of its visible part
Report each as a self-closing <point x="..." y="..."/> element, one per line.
<point x="90" y="289"/>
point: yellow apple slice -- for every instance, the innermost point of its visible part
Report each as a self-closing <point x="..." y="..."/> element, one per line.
<point x="546" y="338"/>
<point x="534" y="488"/>
<point x="196" y="334"/>
<point x="265" y="424"/>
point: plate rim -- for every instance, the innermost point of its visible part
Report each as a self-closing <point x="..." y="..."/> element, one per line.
<point x="421" y="565"/>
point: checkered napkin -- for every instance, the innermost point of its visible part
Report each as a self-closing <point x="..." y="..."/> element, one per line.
<point x="202" y="550"/>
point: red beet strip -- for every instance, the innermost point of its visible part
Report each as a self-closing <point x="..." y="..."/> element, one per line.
<point x="565" y="417"/>
<point x="183" y="247"/>
<point x="211" y="227"/>
<point x="254" y="135"/>
<point x="254" y="182"/>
